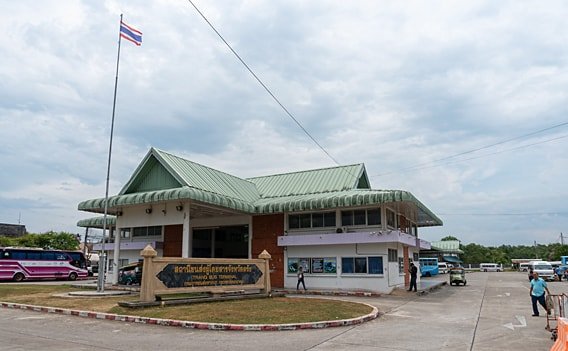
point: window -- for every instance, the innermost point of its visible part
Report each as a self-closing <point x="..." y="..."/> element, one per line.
<point x="415" y="257"/>
<point x="400" y="265"/>
<point x="374" y="217"/>
<point x="362" y="265"/>
<point x="34" y="255"/>
<point x="311" y="220"/>
<point x="393" y="255"/>
<point x="390" y="219"/>
<point x="361" y="217"/>
<point x="147" y="231"/>
<point x="48" y="256"/>
<point x="375" y="265"/>
<point x="125" y="233"/>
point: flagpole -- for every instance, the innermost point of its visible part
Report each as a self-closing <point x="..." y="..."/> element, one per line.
<point x="101" y="278"/>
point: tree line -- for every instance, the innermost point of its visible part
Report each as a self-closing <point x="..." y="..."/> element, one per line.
<point x="475" y="253"/>
<point x="48" y="240"/>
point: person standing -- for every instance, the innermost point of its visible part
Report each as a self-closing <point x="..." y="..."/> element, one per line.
<point x="413" y="276"/>
<point x="537" y="293"/>
<point x="531" y="275"/>
<point x="301" y="278"/>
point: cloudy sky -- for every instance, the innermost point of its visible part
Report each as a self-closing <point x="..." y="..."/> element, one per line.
<point x="464" y="104"/>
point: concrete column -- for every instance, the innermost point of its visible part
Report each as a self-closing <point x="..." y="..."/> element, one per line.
<point x="116" y="256"/>
<point x="147" y="286"/>
<point x="250" y="231"/>
<point x="185" y="245"/>
<point x="266" y="257"/>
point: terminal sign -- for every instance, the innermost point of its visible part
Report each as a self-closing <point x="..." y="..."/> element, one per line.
<point x="177" y="275"/>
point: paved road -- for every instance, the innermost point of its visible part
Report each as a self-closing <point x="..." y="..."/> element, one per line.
<point x="487" y="314"/>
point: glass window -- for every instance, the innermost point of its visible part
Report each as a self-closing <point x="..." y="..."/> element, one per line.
<point x="346" y="218"/>
<point x="375" y="265"/>
<point x="48" y="256"/>
<point x="34" y="255"/>
<point x="374" y="217"/>
<point x="347" y="265"/>
<point x="140" y="231"/>
<point x="18" y="255"/>
<point x="393" y="255"/>
<point x="317" y="220"/>
<point x="60" y="256"/>
<point x="155" y="231"/>
<point x="360" y="264"/>
<point x="293" y="221"/>
<point x="305" y="220"/>
<point x="125" y="233"/>
<point x="390" y="218"/>
<point x="360" y="217"/>
<point x="329" y="219"/>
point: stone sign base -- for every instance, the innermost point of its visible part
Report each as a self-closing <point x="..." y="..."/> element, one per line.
<point x="198" y="299"/>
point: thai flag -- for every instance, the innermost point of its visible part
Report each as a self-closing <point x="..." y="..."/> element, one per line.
<point x="131" y="34"/>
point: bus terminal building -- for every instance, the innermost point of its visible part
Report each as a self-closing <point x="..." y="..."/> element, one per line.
<point x="344" y="234"/>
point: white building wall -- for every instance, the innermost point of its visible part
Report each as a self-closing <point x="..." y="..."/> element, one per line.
<point x="384" y="283"/>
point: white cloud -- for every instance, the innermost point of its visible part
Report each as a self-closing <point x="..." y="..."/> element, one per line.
<point x="393" y="85"/>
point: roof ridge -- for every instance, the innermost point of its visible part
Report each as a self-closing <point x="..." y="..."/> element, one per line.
<point x="307" y="170"/>
<point x="202" y="165"/>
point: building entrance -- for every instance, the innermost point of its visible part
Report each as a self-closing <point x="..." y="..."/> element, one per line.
<point x="220" y="242"/>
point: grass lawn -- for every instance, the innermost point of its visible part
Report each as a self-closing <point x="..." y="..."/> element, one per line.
<point x="277" y="310"/>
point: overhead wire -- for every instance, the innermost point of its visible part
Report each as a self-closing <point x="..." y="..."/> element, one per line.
<point x="288" y="113"/>
<point x="436" y="163"/>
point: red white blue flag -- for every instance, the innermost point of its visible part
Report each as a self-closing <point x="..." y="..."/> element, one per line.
<point x="130" y="34"/>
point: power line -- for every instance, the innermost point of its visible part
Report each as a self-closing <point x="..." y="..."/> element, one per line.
<point x="506" y="214"/>
<point x="432" y="164"/>
<point x="264" y="85"/>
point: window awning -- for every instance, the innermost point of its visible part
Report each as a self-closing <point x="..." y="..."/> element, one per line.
<point x="452" y="259"/>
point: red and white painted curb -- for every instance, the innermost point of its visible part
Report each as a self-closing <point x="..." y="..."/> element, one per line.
<point x="196" y="325"/>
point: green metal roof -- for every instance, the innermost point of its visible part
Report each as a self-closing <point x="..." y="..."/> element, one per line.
<point x="96" y="222"/>
<point x="312" y="181"/>
<point x="162" y="177"/>
<point x="189" y="174"/>
<point x="183" y="193"/>
<point x="452" y="246"/>
<point x="349" y="198"/>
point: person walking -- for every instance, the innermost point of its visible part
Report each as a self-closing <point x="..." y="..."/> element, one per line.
<point x="537" y="293"/>
<point x="413" y="275"/>
<point x="301" y="278"/>
<point x="531" y="276"/>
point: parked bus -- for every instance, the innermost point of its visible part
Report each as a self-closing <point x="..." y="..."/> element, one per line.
<point x="19" y="264"/>
<point x="428" y="266"/>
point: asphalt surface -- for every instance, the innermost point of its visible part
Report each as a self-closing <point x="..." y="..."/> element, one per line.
<point x="492" y="312"/>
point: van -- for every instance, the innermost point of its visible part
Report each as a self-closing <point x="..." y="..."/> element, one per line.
<point x="490" y="267"/>
<point x="543" y="268"/>
<point x="443" y="267"/>
<point x="524" y="267"/>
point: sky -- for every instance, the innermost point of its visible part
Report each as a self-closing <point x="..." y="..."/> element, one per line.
<point x="464" y="104"/>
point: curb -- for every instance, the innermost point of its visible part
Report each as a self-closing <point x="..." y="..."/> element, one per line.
<point x="329" y="293"/>
<point x="196" y="325"/>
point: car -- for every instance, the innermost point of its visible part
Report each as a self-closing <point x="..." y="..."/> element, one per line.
<point x="131" y="274"/>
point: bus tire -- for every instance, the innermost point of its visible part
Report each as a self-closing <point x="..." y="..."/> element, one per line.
<point x="18" y="277"/>
<point x="72" y="276"/>
<point x="428" y="274"/>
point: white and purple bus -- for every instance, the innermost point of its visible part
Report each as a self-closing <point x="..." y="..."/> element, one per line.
<point x="19" y="264"/>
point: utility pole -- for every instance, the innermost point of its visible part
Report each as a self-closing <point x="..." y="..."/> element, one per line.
<point x="535" y="255"/>
<point x="561" y="238"/>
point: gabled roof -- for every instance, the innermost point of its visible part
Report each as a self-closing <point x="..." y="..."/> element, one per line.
<point x="316" y="181"/>
<point x="452" y="246"/>
<point x="160" y="170"/>
<point x="163" y="177"/>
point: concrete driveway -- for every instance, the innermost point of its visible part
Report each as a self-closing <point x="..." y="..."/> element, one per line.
<point x="492" y="312"/>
